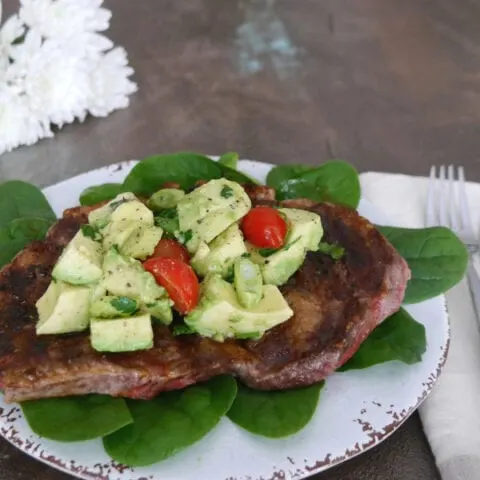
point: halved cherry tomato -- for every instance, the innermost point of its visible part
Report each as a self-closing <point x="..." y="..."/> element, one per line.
<point x="170" y="248"/>
<point x="178" y="279"/>
<point x="264" y="227"/>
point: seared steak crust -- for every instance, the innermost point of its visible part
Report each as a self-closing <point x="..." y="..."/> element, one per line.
<point x="336" y="304"/>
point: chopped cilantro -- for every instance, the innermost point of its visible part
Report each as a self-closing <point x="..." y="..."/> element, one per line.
<point x="182" y="329"/>
<point x="227" y="192"/>
<point x="124" y="305"/>
<point x="288" y="245"/>
<point x="184" y="237"/>
<point x="90" y="232"/>
<point x="335" y="251"/>
<point x="230" y="276"/>
<point x="115" y="205"/>
<point x="248" y="335"/>
<point x="167" y="219"/>
<point x="266" y="252"/>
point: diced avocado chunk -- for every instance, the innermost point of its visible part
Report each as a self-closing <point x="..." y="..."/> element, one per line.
<point x="80" y="262"/>
<point x="131" y="229"/>
<point x="63" y="308"/>
<point x="211" y="209"/>
<point x="121" y="334"/>
<point x="143" y="242"/>
<point x="248" y="282"/>
<point x="165" y="198"/>
<point x="134" y="211"/>
<point x="101" y="216"/>
<point x="219" y="314"/>
<point x="161" y="310"/>
<point x="305" y="234"/>
<point x="111" y="306"/>
<point x="304" y="225"/>
<point x="126" y="277"/>
<point x="116" y="234"/>
<point x="219" y="255"/>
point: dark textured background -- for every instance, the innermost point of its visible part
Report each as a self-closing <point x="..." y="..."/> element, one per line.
<point x="391" y="85"/>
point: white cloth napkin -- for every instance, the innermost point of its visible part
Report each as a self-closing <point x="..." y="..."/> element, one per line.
<point x="451" y="413"/>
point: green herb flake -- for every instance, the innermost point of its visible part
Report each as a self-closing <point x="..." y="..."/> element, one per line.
<point x="89" y="231"/>
<point x="266" y="252"/>
<point x="182" y="329"/>
<point x="227" y="192"/>
<point x="248" y="335"/>
<point x="167" y="219"/>
<point x="335" y="251"/>
<point x="114" y="205"/>
<point x="293" y="242"/>
<point x="184" y="237"/>
<point x="124" y="305"/>
<point x="230" y="275"/>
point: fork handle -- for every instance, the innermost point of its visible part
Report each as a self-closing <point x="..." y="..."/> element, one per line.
<point x="474" y="284"/>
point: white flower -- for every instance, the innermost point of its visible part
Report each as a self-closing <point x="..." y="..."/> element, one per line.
<point x="12" y="30"/>
<point x="17" y="123"/>
<point x="56" y="83"/>
<point x="64" y="18"/>
<point x="55" y="67"/>
<point x="109" y="83"/>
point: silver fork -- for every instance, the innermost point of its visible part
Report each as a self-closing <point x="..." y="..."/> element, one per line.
<point x="447" y="205"/>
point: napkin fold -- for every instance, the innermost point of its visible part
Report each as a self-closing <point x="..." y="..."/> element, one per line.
<point x="451" y="413"/>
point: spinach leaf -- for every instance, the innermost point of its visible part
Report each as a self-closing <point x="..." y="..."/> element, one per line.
<point x="18" y="234"/>
<point x="184" y="168"/>
<point x="281" y="173"/>
<point x="100" y="193"/>
<point x="335" y="181"/>
<point x="228" y="165"/>
<point x="229" y="159"/>
<point x="274" y="414"/>
<point x="23" y="200"/>
<point x="399" y="337"/>
<point x="437" y="258"/>
<point x="76" y="419"/>
<point x="171" y="422"/>
<point x="236" y="176"/>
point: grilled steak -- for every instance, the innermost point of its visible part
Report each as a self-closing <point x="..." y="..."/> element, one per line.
<point x="336" y="303"/>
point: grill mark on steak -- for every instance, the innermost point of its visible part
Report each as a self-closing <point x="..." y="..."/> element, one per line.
<point x="336" y="304"/>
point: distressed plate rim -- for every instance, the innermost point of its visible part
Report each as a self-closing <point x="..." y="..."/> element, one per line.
<point x="73" y="460"/>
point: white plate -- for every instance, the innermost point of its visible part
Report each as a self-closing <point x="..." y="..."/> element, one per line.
<point x="357" y="409"/>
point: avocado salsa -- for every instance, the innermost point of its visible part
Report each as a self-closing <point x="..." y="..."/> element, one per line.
<point x="118" y="275"/>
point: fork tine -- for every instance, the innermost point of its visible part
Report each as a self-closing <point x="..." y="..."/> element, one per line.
<point x="452" y="199"/>
<point x="430" y="220"/>
<point x="443" y="200"/>
<point x="462" y="197"/>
